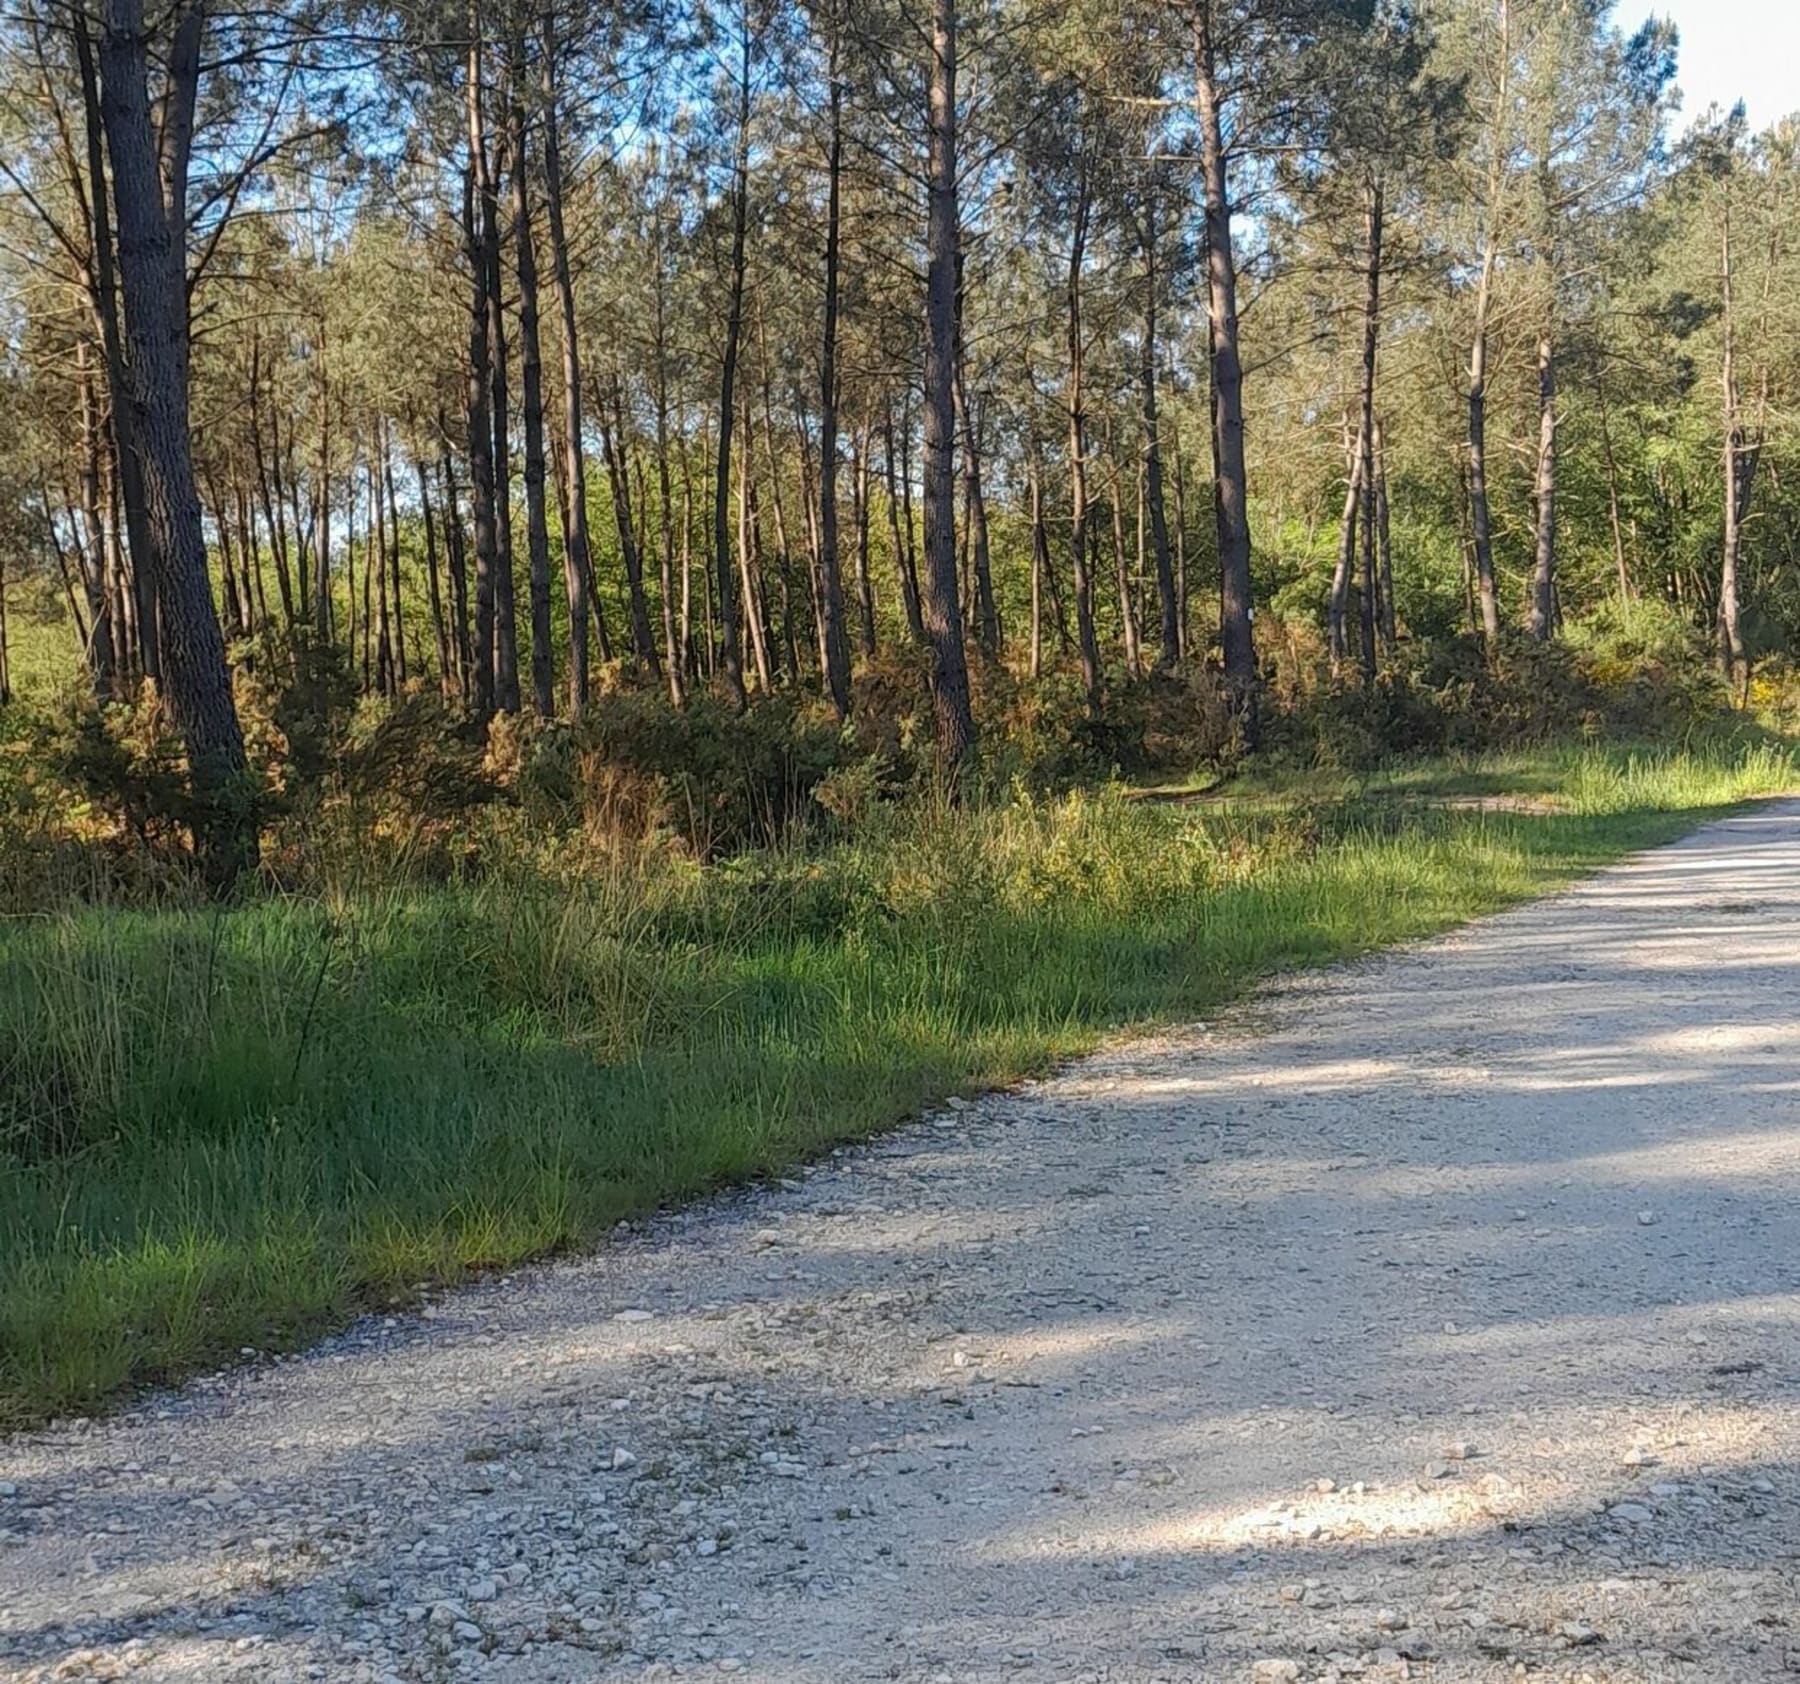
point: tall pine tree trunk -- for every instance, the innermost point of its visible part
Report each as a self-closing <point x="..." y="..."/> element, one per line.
<point x="1231" y="500"/>
<point x="731" y="657"/>
<point x="1166" y="597"/>
<point x="476" y="197"/>
<point x="1080" y="537"/>
<point x="833" y="637"/>
<point x="1371" y="588"/>
<point x="149" y="181"/>
<point x="577" y="547"/>
<point x="531" y="378"/>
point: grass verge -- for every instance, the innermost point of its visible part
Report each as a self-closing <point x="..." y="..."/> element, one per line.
<point x="231" y="1129"/>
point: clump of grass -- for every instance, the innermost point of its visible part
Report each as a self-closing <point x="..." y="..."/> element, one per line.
<point x="226" y="1129"/>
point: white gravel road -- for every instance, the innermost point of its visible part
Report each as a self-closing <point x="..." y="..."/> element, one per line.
<point x="1430" y="1318"/>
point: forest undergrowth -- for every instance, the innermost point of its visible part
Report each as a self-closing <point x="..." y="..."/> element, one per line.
<point x="496" y="996"/>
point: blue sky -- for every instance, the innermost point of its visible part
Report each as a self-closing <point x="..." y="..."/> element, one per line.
<point x="1732" y="50"/>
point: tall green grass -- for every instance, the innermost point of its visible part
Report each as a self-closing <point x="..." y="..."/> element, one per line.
<point x="229" y="1129"/>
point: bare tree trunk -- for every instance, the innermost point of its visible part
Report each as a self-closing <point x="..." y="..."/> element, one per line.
<point x="612" y="442"/>
<point x="1128" y="622"/>
<point x="149" y="182"/>
<point x="1371" y="589"/>
<point x="264" y="493"/>
<point x="1040" y="554"/>
<point x="98" y="640"/>
<point x="1543" y="577"/>
<point x="939" y="605"/>
<point x="1181" y="554"/>
<point x="376" y="565"/>
<point x="755" y="609"/>
<point x="1079" y="539"/>
<point x="577" y="547"/>
<point x="1480" y="520"/>
<point x="865" y="588"/>
<point x="384" y="442"/>
<point x="477" y="196"/>
<point x="531" y="377"/>
<point x="1389" y="625"/>
<point x="833" y="638"/>
<point x="434" y="586"/>
<point x="1337" y="605"/>
<point x="1231" y="499"/>
<point x="674" y="646"/>
<point x="506" y="624"/>
<point x="139" y="617"/>
<point x="457" y="550"/>
<point x="1153" y="467"/>
<point x="1740" y="468"/>
<point x="903" y="562"/>
<point x="731" y="659"/>
<point x="1612" y="488"/>
<point x="322" y="607"/>
<point x="987" y="616"/>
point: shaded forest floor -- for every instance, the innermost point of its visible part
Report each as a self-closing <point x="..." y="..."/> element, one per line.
<point x="226" y="1130"/>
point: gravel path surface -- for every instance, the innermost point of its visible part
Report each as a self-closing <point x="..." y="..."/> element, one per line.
<point x="1430" y="1318"/>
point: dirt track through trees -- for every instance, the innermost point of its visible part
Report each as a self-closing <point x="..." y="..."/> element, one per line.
<point x="1434" y="1317"/>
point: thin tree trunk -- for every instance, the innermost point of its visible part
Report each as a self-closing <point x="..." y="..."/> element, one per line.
<point x="1543" y="577"/>
<point x="477" y="194"/>
<point x="507" y="696"/>
<point x="1739" y="467"/>
<point x="1383" y="539"/>
<point x="755" y="615"/>
<point x="1040" y="554"/>
<point x="612" y="443"/>
<point x="1338" y="604"/>
<point x="731" y="659"/>
<point x="376" y="565"/>
<point x="865" y="588"/>
<point x="138" y="576"/>
<point x="1612" y="489"/>
<point x="1480" y="521"/>
<point x="434" y="586"/>
<point x="1166" y="596"/>
<point x="98" y="640"/>
<point x="1079" y="538"/>
<point x="577" y="546"/>
<point x="1231" y="500"/>
<point x="987" y="615"/>
<point x="903" y="562"/>
<point x="939" y="605"/>
<point x="674" y="644"/>
<point x="833" y="638"/>
<point x="1371" y="588"/>
<point x="531" y="379"/>
<point x="457" y="549"/>
<point x="384" y="440"/>
<point x="1128" y="622"/>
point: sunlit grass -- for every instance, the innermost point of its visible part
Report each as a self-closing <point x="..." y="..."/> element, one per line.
<point x="221" y="1130"/>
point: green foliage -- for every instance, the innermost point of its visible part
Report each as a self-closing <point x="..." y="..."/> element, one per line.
<point x="227" y="1127"/>
<point x="1627" y="673"/>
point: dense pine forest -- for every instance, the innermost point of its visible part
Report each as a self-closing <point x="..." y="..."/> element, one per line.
<point x="593" y="596"/>
<point x="1125" y="372"/>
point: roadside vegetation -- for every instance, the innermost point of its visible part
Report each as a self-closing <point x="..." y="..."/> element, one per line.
<point x="494" y="994"/>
